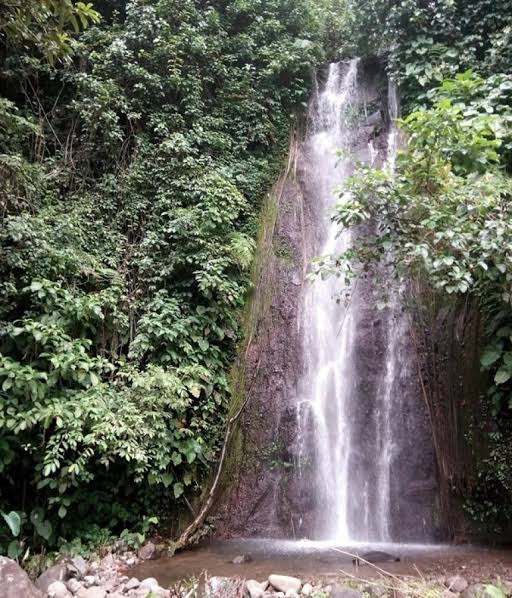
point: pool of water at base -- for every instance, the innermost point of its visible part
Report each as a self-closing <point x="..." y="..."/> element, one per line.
<point x="312" y="560"/>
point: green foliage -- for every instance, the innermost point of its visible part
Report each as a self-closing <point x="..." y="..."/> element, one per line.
<point x="134" y="179"/>
<point x="446" y="216"/>
<point x="46" y="24"/>
<point x="13" y="520"/>
<point x="493" y="591"/>
<point x="428" y="42"/>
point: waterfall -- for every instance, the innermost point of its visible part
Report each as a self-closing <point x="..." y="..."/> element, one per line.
<point x="350" y="464"/>
<point x="336" y="441"/>
<point x="395" y="364"/>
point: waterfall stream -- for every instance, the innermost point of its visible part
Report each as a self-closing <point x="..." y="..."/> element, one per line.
<point x="351" y="469"/>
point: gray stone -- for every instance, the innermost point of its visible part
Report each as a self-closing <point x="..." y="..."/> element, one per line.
<point x="107" y="562"/>
<point x="254" y="588"/>
<point x="14" y="582"/>
<point x="343" y="592"/>
<point x="283" y="583"/>
<point x="147" y="552"/>
<point x="58" y="572"/>
<point x="222" y="587"/>
<point x="94" y="592"/>
<point x="291" y="594"/>
<point x="456" y="584"/>
<point x="89" y="581"/>
<point x="150" y="584"/>
<point x="58" y="589"/>
<point x="78" y="565"/>
<point x="241" y="559"/>
<point x="73" y="585"/>
<point x="132" y="584"/>
<point x="307" y="589"/>
<point x="110" y="585"/>
<point x="130" y="562"/>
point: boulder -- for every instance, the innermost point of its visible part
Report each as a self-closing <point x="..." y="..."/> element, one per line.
<point x="222" y="587"/>
<point x="132" y="584"/>
<point x="111" y="584"/>
<point x="291" y="594"/>
<point x="150" y="584"/>
<point x="456" y="584"/>
<point x="283" y="583"/>
<point x="107" y="562"/>
<point x="73" y="585"/>
<point x="147" y="552"/>
<point x="241" y="559"/>
<point x="78" y="567"/>
<point x="14" y="582"/>
<point x="58" y="589"/>
<point x="89" y="581"/>
<point x="307" y="589"/>
<point x="254" y="588"/>
<point x="58" y="572"/>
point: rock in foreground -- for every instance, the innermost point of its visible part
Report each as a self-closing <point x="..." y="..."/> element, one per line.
<point x="14" y="582"/>
<point x="283" y="583"/>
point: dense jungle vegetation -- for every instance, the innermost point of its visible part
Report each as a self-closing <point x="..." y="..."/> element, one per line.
<point x="138" y="141"/>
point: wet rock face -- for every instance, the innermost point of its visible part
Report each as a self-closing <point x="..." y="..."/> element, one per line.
<point x="264" y="493"/>
<point x="255" y="503"/>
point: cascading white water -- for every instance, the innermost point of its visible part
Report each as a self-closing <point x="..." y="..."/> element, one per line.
<point x="351" y="474"/>
<point x="329" y="325"/>
<point x="389" y="396"/>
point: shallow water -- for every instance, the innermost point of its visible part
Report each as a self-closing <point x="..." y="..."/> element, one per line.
<point x="323" y="560"/>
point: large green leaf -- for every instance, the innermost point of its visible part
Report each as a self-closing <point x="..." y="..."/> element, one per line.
<point x="14" y="549"/>
<point x="178" y="489"/>
<point x="37" y="516"/>
<point x="44" y="529"/>
<point x="494" y="592"/>
<point x="502" y="375"/>
<point x="13" y="520"/>
<point x="490" y="356"/>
